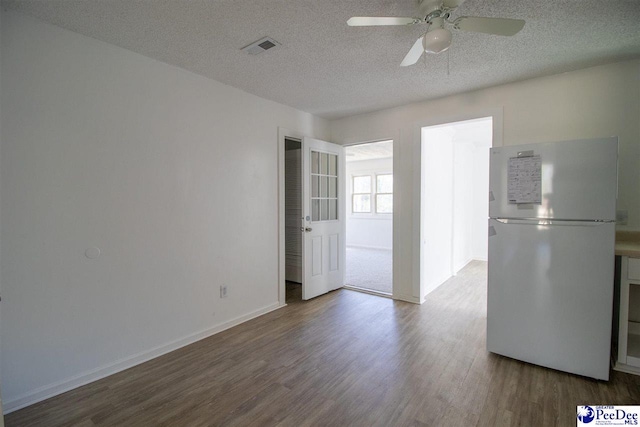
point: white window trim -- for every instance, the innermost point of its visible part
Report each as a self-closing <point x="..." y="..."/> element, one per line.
<point x="375" y="195"/>
<point x="353" y="194"/>
<point x="373" y="175"/>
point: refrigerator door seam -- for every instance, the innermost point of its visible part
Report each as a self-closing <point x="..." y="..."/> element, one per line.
<point x="547" y="221"/>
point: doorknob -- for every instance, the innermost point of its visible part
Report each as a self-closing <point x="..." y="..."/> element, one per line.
<point x="307" y="229"/>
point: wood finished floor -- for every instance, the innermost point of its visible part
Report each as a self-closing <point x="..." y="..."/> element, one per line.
<point x="346" y="358"/>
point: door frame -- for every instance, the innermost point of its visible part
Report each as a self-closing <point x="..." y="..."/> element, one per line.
<point x="497" y="115"/>
<point x="347" y="179"/>
<point x="283" y="133"/>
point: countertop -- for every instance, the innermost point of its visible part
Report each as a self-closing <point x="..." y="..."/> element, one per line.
<point x="628" y="243"/>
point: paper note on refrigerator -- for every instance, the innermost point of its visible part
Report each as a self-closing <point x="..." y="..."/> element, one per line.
<point x="525" y="180"/>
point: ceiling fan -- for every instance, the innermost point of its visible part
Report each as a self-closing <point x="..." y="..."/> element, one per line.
<point x="437" y="38"/>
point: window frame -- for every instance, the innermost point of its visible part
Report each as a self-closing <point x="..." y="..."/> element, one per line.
<point x="324" y="177"/>
<point x="376" y="193"/>
<point x="354" y="194"/>
<point x="373" y="195"/>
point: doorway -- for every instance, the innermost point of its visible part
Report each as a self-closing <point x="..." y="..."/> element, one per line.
<point x="369" y="221"/>
<point x="292" y="216"/>
<point x="312" y="217"/>
<point x="454" y="199"/>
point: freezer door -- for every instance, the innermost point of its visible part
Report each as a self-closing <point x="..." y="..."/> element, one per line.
<point x="578" y="178"/>
<point x="550" y="294"/>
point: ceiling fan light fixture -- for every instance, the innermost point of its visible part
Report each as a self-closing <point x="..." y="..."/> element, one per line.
<point x="437" y="40"/>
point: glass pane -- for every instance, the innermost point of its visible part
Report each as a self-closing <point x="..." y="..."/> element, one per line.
<point x="361" y="203"/>
<point x="324" y="164"/>
<point x="315" y="210"/>
<point x="333" y="209"/>
<point x="324" y="186"/>
<point x="362" y="184"/>
<point x="324" y="209"/>
<point x="315" y="186"/>
<point x="333" y="187"/>
<point x="384" y="203"/>
<point x="384" y="184"/>
<point x="315" y="161"/>
<point x="333" y="165"/>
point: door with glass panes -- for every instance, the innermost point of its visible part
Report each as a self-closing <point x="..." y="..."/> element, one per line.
<point x="323" y="222"/>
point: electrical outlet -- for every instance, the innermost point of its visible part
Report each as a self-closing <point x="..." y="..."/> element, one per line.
<point x="223" y="291"/>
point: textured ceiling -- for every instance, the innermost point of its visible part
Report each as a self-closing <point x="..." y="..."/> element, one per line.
<point x="329" y="69"/>
<point x="369" y="151"/>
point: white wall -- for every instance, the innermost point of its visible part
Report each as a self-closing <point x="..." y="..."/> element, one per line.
<point x="368" y="230"/>
<point x="437" y="206"/>
<point x="171" y="175"/>
<point x="455" y="184"/>
<point x="593" y="102"/>
<point x="480" y="201"/>
<point x="471" y="144"/>
<point x="462" y="204"/>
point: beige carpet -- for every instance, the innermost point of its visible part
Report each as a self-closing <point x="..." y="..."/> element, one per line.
<point x="369" y="269"/>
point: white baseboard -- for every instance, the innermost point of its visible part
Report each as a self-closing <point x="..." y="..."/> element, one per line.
<point x="84" y="378"/>
<point x="369" y="247"/>
<point x="440" y="280"/>
<point x="407" y="298"/>
<point x="460" y="266"/>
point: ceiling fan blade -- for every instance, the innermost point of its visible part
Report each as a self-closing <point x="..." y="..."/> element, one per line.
<point x="414" y="54"/>
<point x="365" y="21"/>
<point x="497" y="26"/>
<point x="452" y="4"/>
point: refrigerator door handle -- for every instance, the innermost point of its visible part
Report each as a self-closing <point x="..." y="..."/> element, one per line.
<point x="553" y="222"/>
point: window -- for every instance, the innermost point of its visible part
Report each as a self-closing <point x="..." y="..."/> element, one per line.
<point x="324" y="186"/>
<point x="384" y="193"/>
<point x="361" y="202"/>
<point x="364" y="196"/>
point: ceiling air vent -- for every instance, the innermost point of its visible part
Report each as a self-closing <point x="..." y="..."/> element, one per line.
<point x="260" y="46"/>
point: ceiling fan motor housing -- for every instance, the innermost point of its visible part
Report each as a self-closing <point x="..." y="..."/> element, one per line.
<point x="426" y="7"/>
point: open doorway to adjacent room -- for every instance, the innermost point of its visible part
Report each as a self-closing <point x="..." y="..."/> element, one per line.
<point x="369" y="228"/>
<point x="292" y="220"/>
<point x="454" y="201"/>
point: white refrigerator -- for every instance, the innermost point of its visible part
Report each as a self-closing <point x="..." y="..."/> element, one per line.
<point x="552" y="209"/>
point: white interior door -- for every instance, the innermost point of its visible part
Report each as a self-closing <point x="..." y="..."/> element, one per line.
<point x="323" y="222"/>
